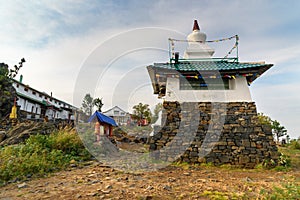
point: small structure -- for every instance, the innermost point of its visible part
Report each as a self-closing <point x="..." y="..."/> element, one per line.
<point x="107" y="123"/>
<point x="208" y="110"/>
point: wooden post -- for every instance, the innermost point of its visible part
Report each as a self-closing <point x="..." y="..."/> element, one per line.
<point x="110" y="131"/>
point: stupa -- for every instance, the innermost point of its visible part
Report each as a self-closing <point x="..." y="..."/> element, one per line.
<point x="209" y="115"/>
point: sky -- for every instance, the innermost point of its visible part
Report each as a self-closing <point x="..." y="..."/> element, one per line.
<point x="103" y="47"/>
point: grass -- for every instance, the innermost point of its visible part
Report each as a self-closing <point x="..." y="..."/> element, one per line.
<point x="293" y="153"/>
<point x="41" y="154"/>
<point x="286" y="191"/>
<point x="216" y="195"/>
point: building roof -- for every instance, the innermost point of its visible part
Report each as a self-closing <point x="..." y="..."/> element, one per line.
<point x="209" y="65"/>
<point x="102" y="118"/>
<point x="205" y="68"/>
<point x="44" y="94"/>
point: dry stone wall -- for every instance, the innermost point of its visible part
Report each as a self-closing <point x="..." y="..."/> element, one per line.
<point x="218" y="133"/>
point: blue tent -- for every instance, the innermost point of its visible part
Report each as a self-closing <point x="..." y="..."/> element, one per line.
<point x="103" y="118"/>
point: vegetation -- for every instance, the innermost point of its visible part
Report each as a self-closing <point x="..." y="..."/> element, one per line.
<point x="87" y="104"/>
<point x="292" y="151"/>
<point x="141" y="111"/>
<point x="157" y="109"/>
<point x="41" y="154"/>
<point x="295" y="144"/>
<point x="264" y="119"/>
<point x="98" y="103"/>
<point x="286" y="191"/>
<point x="7" y="91"/>
<point x="277" y="129"/>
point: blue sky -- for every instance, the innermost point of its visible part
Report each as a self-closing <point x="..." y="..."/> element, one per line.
<point x="59" y="38"/>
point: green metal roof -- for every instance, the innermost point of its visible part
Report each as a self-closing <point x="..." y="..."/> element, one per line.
<point x="209" y="65"/>
<point x="212" y="67"/>
<point x="29" y="98"/>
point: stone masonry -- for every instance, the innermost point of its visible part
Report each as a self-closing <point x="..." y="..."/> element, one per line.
<point x="209" y="132"/>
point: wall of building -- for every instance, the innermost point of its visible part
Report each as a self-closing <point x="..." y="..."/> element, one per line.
<point x="238" y="92"/>
<point x="218" y="133"/>
<point x="34" y="101"/>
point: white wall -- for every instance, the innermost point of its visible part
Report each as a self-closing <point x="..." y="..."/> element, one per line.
<point x="238" y="92"/>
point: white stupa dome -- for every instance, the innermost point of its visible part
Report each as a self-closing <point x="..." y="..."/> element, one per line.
<point x="197" y="48"/>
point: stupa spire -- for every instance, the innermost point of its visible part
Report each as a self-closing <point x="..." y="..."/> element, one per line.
<point x="196" y="26"/>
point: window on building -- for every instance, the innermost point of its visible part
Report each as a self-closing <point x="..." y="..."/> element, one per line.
<point x="33" y="92"/>
<point x="46" y="98"/>
<point x="116" y="112"/>
<point x="32" y="109"/>
<point x="36" y="110"/>
<point x="40" y="95"/>
<point x="204" y="84"/>
<point x="51" y="100"/>
<point x="17" y="86"/>
<point x="26" y="89"/>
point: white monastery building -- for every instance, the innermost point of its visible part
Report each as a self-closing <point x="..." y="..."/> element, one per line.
<point x="38" y="105"/>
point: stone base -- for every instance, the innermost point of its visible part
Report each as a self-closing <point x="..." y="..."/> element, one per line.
<point x="218" y="133"/>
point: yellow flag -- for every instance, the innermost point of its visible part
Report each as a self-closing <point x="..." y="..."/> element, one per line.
<point x="13" y="114"/>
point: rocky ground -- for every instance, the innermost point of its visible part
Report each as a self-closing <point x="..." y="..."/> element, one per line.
<point x="96" y="181"/>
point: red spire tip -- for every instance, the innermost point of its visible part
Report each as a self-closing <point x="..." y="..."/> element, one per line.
<point x="196" y="26"/>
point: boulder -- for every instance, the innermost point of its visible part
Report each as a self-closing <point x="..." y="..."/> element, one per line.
<point x="23" y="131"/>
<point x="2" y="135"/>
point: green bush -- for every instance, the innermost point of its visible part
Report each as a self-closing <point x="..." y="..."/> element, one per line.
<point x="41" y="154"/>
<point x="295" y="144"/>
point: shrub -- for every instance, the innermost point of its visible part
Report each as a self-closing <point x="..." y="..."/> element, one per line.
<point x="295" y="144"/>
<point x="41" y="154"/>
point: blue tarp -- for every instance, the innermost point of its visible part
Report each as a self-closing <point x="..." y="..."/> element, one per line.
<point x="103" y="118"/>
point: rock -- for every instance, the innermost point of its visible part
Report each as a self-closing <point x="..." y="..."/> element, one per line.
<point x="105" y="191"/>
<point x="171" y="179"/>
<point x="92" y="194"/>
<point x="23" y="131"/>
<point x="148" y="197"/>
<point x="108" y="187"/>
<point x="150" y="187"/>
<point x="247" y="179"/>
<point x="28" y="175"/>
<point x="166" y="187"/>
<point x="73" y="165"/>
<point x="22" y="185"/>
<point x="2" y="135"/>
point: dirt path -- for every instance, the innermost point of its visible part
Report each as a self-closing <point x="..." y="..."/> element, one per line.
<point x="100" y="182"/>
